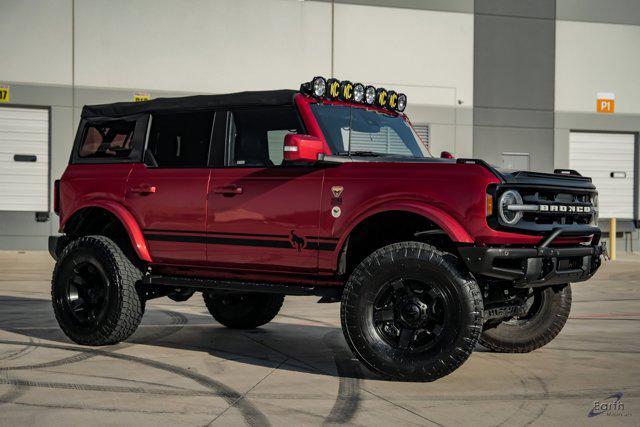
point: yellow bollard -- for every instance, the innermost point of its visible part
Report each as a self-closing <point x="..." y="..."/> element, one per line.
<point x="612" y="239"/>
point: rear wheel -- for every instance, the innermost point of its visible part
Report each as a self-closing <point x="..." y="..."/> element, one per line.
<point x="410" y="312"/>
<point x="243" y="310"/>
<point x="93" y="291"/>
<point x="547" y="313"/>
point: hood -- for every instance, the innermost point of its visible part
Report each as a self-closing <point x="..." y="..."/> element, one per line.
<point x="545" y="179"/>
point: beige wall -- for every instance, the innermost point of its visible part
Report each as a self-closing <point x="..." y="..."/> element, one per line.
<point x="200" y="45"/>
<point x="591" y="58"/>
<point x="35" y="41"/>
<point x="427" y="54"/>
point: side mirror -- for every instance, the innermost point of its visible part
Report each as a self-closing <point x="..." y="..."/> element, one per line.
<point x="446" y="155"/>
<point x="302" y="148"/>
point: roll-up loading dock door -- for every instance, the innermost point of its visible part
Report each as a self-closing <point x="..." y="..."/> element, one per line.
<point x="24" y="159"/>
<point x="610" y="160"/>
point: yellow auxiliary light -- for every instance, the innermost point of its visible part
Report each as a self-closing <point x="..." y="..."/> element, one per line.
<point x="393" y="100"/>
<point x="333" y="88"/>
<point x="346" y="91"/>
<point x="382" y="97"/>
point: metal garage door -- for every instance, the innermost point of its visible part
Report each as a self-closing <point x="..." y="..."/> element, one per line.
<point x="24" y="159"/>
<point x="609" y="159"/>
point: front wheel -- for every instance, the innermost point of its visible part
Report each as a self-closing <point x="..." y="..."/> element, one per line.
<point x="547" y="313"/>
<point x="411" y="313"/>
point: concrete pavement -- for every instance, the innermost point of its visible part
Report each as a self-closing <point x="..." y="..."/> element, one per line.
<point x="181" y="367"/>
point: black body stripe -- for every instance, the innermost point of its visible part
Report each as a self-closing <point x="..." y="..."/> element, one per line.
<point x="321" y="246"/>
<point x="329" y="239"/>
<point x="152" y="230"/>
<point x="212" y="240"/>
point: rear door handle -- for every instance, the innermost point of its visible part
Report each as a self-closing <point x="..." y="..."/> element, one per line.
<point x="144" y="189"/>
<point x="230" y="190"/>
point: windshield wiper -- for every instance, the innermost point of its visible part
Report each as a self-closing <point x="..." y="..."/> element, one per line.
<point x="360" y="153"/>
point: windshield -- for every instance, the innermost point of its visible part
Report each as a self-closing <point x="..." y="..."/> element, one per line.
<point x="357" y="131"/>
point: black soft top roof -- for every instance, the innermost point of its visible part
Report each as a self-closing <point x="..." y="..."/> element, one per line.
<point x="196" y="102"/>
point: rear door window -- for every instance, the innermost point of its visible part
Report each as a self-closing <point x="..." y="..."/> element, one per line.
<point x="181" y="140"/>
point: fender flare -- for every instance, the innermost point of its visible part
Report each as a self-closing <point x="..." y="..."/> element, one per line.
<point x="125" y="217"/>
<point x="439" y="217"/>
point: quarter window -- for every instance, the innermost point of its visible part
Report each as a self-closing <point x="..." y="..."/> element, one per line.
<point x="113" y="139"/>
<point x="181" y="140"/>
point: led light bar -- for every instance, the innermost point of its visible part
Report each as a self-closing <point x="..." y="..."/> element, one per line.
<point x="320" y="88"/>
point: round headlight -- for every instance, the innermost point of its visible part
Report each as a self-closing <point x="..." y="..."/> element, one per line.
<point x="507" y="199"/>
<point x="402" y="102"/>
<point x="393" y="100"/>
<point x="319" y="86"/>
<point x="346" y="91"/>
<point x="333" y="88"/>
<point x="358" y="92"/>
<point x="382" y="97"/>
<point x="370" y="95"/>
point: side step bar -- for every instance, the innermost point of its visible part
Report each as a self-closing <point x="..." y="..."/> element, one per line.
<point x="240" y="286"/>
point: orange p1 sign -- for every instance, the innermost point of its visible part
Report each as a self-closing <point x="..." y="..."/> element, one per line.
<point x="606" y="102"/>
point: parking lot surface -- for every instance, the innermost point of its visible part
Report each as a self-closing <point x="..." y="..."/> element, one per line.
<point x="183" y="367"/>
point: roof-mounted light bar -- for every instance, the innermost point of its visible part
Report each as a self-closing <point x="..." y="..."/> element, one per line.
<point x="345" y="90"/>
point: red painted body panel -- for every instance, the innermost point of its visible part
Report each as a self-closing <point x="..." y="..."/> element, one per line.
<point x="449" y="194"/>
<point x="81" y="187"/>
<point x="273" y="204"/>
<point x="276" y="224"/>
<point x="178" y="205"/>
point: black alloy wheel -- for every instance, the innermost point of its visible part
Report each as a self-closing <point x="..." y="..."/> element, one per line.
<point x="86" y="293"/>
<point x="411" y="314"/>
<point x="94" y="294"/>
<point x="243" y="310"/>
<point x="547" y="312"/>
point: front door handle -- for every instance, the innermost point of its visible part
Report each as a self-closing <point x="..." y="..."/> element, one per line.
<point x="230" y="190"/>
<point x="144" y="189"/>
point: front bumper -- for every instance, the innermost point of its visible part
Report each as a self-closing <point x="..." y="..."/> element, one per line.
<point x="540" y="265"/>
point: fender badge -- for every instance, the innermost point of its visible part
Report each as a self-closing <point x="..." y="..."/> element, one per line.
<point x="336" y="190"/>
<point x="336" y="211"/>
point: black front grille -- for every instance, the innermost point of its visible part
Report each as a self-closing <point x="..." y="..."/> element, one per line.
<point x="560" y="199"/>
<point x="562" y="206"/>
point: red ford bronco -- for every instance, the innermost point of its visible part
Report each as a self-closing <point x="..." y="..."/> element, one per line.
<point x="324" y="191"/>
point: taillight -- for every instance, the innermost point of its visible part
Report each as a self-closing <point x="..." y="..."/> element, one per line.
<point x="56" y="196"/>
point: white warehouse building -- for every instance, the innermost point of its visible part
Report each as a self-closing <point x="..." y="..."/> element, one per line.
<point x="526" y="84"/>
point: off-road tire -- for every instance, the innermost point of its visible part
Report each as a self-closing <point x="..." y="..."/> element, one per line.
<point x="411" y="259"/>
<point x="539" y="330"/>
<point x="124" y="308"/>
<point x="243" y="311"/>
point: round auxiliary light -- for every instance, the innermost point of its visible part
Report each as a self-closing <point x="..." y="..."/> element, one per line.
<point x="358" y="92"/>
<point x="333" y="88"/>
<point x="318" y="86"/>
<point x="507" y="199"/>
<point x="346" y="90"/>
<point x="402" y="102"/>
<point x="370" y="95"/>
<point x="392" y="100"/>
<point x="382" y="97"/>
